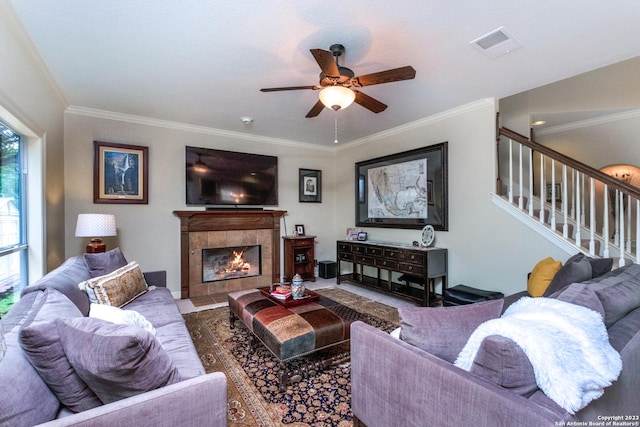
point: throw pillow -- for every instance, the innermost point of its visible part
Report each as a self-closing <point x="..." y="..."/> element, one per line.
<point x="116" y="361"/>
<point x="576" y="269"/>
<point x="105" y="262"/>
<point x="541" y="276"/>
<point x="600" y="266"/>
<point x="619" y="298"/>
<point x="444" y="331"/>
<point x="121" y="317"/>
<point x="501" y="361"/>
<point x="583" y="295"/>
<point x="40" y="342"/>
<point x="117" y="288"/>
<point x="65" y="279"/>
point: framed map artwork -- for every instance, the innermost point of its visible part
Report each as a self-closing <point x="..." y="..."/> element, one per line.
<point x="404" y="190"/>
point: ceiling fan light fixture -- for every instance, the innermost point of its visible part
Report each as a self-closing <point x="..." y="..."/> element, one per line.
<point x="337" y="97"/>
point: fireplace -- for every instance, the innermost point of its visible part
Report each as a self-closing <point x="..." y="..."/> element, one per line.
<point x="231" y="263"/>
<point x="230" y="228"/>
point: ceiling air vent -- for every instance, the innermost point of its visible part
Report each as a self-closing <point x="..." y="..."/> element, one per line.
<point x="497" y="43"/>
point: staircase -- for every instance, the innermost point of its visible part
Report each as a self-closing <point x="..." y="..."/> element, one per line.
<point x="575" y="206"/>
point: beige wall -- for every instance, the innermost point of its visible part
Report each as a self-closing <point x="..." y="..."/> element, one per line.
<point x="150" y="233"/>
<point x="487" y="247"/>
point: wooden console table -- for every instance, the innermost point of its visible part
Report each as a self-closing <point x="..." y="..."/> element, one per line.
<point x="419" y="267"/>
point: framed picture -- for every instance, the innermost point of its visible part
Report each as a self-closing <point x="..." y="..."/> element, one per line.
<point x="558" y="191"/>
<point x="300" y="229"/>
<point x="362" y="236"/>
<point x="120" y="173"/>
<point x="310" y="185"/>
<point x="404" y="190"/>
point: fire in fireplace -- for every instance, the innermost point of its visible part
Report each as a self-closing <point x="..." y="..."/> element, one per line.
<point x="231" y="263"/>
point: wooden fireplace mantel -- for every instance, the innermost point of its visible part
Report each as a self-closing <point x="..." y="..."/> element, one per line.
<point x="226" y="220"/>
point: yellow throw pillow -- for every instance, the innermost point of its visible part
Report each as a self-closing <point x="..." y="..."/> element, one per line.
<point x="542" y="275"/>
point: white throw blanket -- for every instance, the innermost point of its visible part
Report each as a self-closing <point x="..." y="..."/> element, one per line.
<point x="567" y="345"/>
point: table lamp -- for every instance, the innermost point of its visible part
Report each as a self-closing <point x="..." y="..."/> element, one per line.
<point x="96" y="226"/>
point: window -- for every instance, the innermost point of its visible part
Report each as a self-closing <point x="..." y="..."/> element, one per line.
<point x="13" y="242"/>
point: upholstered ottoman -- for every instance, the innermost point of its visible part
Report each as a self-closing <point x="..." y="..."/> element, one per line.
<point x="462" y="294"/>
<point x="290" y="332"/>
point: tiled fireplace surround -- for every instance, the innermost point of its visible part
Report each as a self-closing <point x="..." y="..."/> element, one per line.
<point x="227" y="228"/>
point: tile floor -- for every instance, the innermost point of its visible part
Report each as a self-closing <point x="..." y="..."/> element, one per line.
<point x="220" y="300"/>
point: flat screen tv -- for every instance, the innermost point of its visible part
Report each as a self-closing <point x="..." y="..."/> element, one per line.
<point x="230" y="178"/>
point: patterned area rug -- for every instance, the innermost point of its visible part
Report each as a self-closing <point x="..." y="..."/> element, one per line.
<point x="318" y="399"/>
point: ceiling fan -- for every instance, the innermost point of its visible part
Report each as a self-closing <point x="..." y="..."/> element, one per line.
<point x="337" y="84"/>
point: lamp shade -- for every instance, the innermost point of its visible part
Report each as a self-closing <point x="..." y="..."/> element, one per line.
<point x="95" y="225"/>
<point x="337" y="97"/>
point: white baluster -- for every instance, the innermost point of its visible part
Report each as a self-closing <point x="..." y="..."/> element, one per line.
<point x="530" y="182"/>
<point x="521" y="188"/>
<point x="552" y="221"/>
<point x="543" y="189"/>
<point x="629" y="223"/>
<point x="565" y="208"/>
<point x="592" y="216"/>
<point x="605" y="221"/>
<point x="578" y="214"/>
<point x="510" y="189"/>
<point x="573" y="194"/>
<point x="621" y="216"/>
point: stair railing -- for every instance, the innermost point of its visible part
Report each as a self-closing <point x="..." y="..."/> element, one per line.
<point x="599" y="213"/>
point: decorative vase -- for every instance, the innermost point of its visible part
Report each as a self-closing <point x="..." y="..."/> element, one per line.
<point x="297" y="287"/>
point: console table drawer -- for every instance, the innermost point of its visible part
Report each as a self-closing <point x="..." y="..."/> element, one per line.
<point x="345" y="256"/>
<point x="386" y="264"/>
<point x="376" y="252"/>
<point x="358" y="249"/>
<point x="302" y="243"/>
<point x="411" y="268"/>
<point x="344" y="247"/>
<point x="412" y="257"/>
<point x="367" y="260"/>
<point x="391" y="253"/>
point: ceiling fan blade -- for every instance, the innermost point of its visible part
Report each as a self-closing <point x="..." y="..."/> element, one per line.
<point x="369" y="103"/>
<point x="317" y="109"/>
<point x="326" y="61"/>
<point x="276" y="89"/>
<point x="394" y="75"/>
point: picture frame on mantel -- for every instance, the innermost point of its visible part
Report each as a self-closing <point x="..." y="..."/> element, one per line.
<point x="120" y="173"/>
<point x="404" y="190"/>
<point x="309" y="186"/>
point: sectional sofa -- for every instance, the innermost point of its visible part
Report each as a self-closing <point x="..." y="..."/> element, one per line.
<point x="65" y="368"/>
<point x="397" y="382"/>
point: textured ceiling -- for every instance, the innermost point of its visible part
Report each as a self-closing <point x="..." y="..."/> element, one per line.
<point x="203" y="62"/>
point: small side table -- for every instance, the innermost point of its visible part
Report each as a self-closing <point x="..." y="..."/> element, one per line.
<point x="299" y="257"/>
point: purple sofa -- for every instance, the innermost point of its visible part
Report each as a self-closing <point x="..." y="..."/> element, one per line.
<point x="395" y="383"/>
<point x="192" y="398"/>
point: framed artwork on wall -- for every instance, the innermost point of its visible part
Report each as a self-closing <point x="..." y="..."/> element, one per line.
<point x="404" y="190"/>
<point x="310" y="185"/>
<point x="120" y="173"/>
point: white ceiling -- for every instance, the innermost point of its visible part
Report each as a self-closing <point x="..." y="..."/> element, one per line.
<point x="203" y="62"/>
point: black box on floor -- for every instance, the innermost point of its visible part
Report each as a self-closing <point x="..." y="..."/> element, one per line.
<point x="462" y="295"/>
<point x="327" y="269"/>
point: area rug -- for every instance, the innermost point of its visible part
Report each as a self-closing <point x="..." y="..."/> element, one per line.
<point x="319" y="399"/>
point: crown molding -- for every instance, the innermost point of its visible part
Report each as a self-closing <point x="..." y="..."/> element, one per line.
<point x="633" y="114"/>
<point x="435" y="118"/>
<point x="168" y="124"/>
